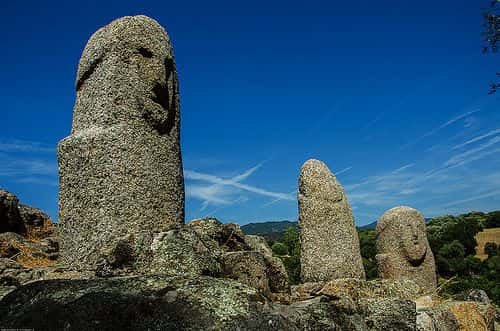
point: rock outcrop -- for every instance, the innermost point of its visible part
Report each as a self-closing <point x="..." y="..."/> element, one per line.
<point x="120" y="169"/>
<point x="403" y="249"/>
<point x="187" y="303"/>
<point x="10" y="218"/>
<point x="329" y="241"/>
<point x="28" y="243"/>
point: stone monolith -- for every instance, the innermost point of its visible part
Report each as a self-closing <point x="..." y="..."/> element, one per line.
<point x="403" y="250"/>
<point x="329" y="241"/>
<point x="120" y="169"/>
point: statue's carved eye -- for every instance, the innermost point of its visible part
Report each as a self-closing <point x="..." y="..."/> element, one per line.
<point x="145" y="52"/>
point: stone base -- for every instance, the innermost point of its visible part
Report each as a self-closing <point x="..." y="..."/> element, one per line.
<point x="116" y="182"/>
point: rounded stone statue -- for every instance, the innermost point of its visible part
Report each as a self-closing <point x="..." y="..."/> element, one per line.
<point x="120" y="169"/>
<point x="403" y="249"/>
<point x="329" y="241"/>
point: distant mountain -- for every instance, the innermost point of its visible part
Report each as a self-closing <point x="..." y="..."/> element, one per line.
<point x="370" y="226"/>
<point x="274" y="230"/>
<point x="271" y="230"/>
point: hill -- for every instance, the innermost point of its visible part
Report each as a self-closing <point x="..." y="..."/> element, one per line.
<point x="272" y="231"/>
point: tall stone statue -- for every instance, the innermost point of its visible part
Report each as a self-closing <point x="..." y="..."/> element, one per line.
<point x="120" y="169"/>
<point x="328" y="236"/>
<point x="403" y="249"/>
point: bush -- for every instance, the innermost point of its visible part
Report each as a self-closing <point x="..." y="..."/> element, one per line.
<point x="279" y="249"/>
<point x="288" y="249"/>
<point x="490" y="249"/>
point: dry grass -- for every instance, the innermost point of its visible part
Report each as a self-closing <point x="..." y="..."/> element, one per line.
<point x="24" y="255"/>
<point x="35" y="233"/>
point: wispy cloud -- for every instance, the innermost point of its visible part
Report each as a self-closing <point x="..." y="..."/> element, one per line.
<point x="27" y="162"/>
<point x="450" y="122"/>
<point x="474" y="198"/>
<point x="441" y="127"/>
<point x="473" y="154"/>
<point x="342" y="171"/>
<point x="13" y="167"/>
<point x="478" y="138"/>
<point x="25" y="146"/>
<point x="223" y="189"/>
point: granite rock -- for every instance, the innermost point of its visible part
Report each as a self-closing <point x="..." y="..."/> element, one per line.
<point x="120" y="169"/>
<point x="10" y="218"/>
<point x="259" y="244"/>
<point x="403" y="249"/>
<point x="181" y="251"/>
<point x="329" y="240"/>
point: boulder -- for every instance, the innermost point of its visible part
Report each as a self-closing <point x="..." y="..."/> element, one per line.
<point x="38" y="224"/>
<point x="229" y="237"/>
<point x="259" y="244"/>
<point x="478" y="296"/>
<point x="181" y="251"/>
<point x="435" y="319"/>
<point x="140" y="303"/>
<point x="10" y="218"/>
<point x="389" y="314"/>
<point x="13" y="275"/>
<point x="472" y="316"/>
<point x="247" y="267"/>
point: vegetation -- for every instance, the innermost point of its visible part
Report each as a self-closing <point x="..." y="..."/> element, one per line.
<point x="491" y="34"/>
<point x="451" y="239"/>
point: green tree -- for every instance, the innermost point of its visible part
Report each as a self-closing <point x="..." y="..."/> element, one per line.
<point x="450" y="259"/>
<point x="367" y="243"/>
<point x="279" y="249"/>
<point x="490" y="249"/>
<point x="492" y="220"/>
<point x="291" y="241"/>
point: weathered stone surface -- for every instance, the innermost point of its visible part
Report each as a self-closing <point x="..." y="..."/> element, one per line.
<point x="247" y="267"/>
<point x="13" y="275"/>
<point x="361" y="289"/>
<point x="229" y="237"/>
<point x="306" y="291"/>
<point x="276" y="272"/>
<point x="120" y="169"/>
<point x="38" y="224"/>
<point x="357" y="289"/>
<point x="140" y="303"/>
<point x="389" y="314"/>
<point x="181" y="251"/>
<point x="403" y="249"/>
<point x="329" y="241"/>
<point x="15" y="246"/>
<point x="478" y="296"/>
<point x="430" y="319"/>
<point x="472" y="316"/>
<point x="10" y="218"/>
<point x="259" y="244"/>
<point x="322" y="314"/>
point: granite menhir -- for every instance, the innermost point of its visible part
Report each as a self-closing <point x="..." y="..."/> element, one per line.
<point x="328" y="236"/>
<point x="403" y="249"/>
<point x="120" y="169"/>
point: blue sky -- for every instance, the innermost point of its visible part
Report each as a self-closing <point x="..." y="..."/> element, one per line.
<point x="392" y="95"/>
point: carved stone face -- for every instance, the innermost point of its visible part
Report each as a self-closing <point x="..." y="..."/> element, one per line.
<point x="413" y="240"/>
<point x="127" y="75"/>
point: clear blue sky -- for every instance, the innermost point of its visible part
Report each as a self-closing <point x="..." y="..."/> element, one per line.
<point x="392" y="95"/>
